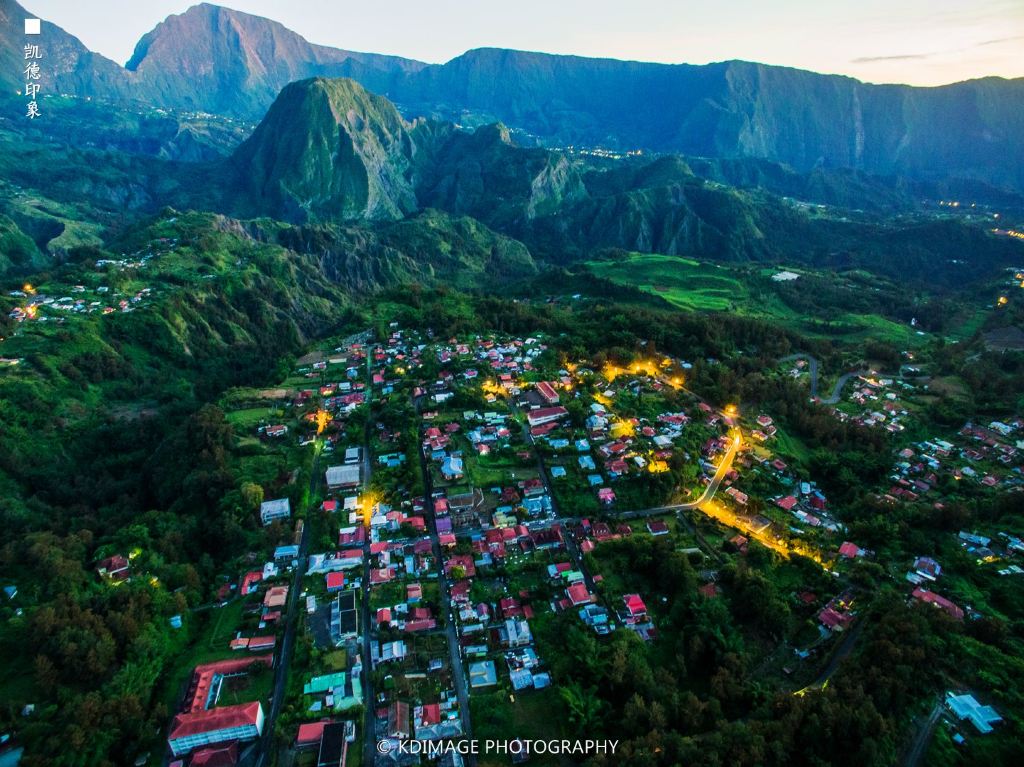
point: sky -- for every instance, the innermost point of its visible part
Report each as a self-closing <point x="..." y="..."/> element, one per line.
<point x="920" y="42"/>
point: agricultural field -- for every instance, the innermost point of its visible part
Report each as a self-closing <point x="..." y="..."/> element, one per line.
<point x="706" y="287"/>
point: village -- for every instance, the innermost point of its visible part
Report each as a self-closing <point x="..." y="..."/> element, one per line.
<point x="461" y="495"/>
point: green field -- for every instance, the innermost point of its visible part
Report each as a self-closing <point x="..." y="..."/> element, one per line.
<point x="695" y="286"/>
<point x="682" y="282"/>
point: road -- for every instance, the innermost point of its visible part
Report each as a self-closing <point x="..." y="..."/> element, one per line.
<point x="365" y="618"/>
<point x="923" y="737"/>
<point x="288" y="643"/>
<point x="841" y="653"/>
<point x="813" y="364"/>
<point x="459" y="677"/>
<point x="709" y="492"/>
<point x="292" y="617"/>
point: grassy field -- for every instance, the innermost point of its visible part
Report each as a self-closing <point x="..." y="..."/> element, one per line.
<point x="694" y="286"/>
<point x="683" y="282"/>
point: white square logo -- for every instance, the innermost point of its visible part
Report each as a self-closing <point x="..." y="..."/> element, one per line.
<point x="33" y="26"/>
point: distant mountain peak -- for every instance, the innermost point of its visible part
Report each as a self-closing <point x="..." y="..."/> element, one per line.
<point x="328" y="150"/>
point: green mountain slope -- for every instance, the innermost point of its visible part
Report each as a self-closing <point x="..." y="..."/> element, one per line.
<point x="330" y="150"/>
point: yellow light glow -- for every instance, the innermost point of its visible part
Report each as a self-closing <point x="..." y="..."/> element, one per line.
<point x="1003" y="300"/>
<point x="492" y="387"/>
<point x="29" y="289"/>
<point x="367" y="503"/>
<point x="322" y="419"/>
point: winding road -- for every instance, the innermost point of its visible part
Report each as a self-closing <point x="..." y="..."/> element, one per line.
<point x="813" y="364"/>
<point x="709" y="492"/>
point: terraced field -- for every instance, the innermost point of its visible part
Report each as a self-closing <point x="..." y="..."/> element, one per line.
<point x="695" y="286"/>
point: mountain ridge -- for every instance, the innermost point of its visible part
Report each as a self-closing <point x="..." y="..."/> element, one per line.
<point x="212" y="59"/>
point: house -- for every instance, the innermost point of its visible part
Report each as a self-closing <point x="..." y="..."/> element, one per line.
<point x="657" y="527"/>
<point x="579" y="594"/>
<point x="596" y="617"/>
<point x="851" y="550"/>
<point x="192" y="730"/>
<point x="398" y="721"/>
<point x="464" y="561"/>
<point x="635" y="609"/>
<point x="515" y="632"/>
<point x="483" y="674"/>
<point x="344" y="618"/>
<point x="286" y="554"/>
<point x="606" y="495"/>
<point x="533" y="486"/>
<point x="275" y="597"/>
<point x="967" y="708"/>
<point x="930" y="597"/>
<point x="335" y="581"/>
<point x="545" y="415"/>
<point x="333" y="745"/>
<point x="547" y="392"/>
<point x="834" y="620"/>
<point x="345" y="477"/>
<point x="451" y="468"/>
<point x="116" y="568"/>
<point x="225" y="755"/>
<point x="388" y="651"/>
<point x="280" y="508"/>
<point x="310" y="734"/>
<point x="787" y="503"/>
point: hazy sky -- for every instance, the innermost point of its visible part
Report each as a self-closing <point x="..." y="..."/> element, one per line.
<point x="923" y="42"/>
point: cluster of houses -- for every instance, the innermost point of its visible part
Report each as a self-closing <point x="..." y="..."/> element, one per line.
<point x="42" y="308"/>
<point x="992" y="456"/>
<point x="877" y="402"/>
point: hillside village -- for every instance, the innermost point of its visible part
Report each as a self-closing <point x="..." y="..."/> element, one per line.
<point x="466" y="493"/>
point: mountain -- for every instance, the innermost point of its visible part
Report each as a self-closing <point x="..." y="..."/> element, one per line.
<point x="330" y="154"/>
<point x="68" y="67"/>
<point x="223" y="61"/>
<point x="328" y="150"/>
<point x="217" y="60"/>
<point x="971" y="129"/>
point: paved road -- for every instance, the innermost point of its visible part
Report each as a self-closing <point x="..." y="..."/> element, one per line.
<point x="813" y="364"/>
<point x="841" y="653"/>
<point x="454" y="651"/>
<point x="924" y="737"/>
<point x="709" y="492"/>
<point x="288" y="644"/>
<point x="365" y="617"/>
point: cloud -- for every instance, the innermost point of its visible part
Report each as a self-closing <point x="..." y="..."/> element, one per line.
<point x="896" y="57"/>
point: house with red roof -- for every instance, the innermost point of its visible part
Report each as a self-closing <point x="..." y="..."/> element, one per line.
<point x="465" y="561"/>
<point x="657" y="527"/>
<point x="786" y="503"/>
<point x="545" y="415"/>
<point x="930" y="597"/>
<point x="460" y="591"/>
<point x="851" y="550"/>
<point x="216" y="756"/>
<point x="193" y="730"/>
<point x="310" y="734"/>
<point x="579" y="594"/>
<point x="635" y="610"/>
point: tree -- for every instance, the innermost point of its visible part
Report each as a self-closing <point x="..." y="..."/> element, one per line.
<point x="252" y="495"/>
